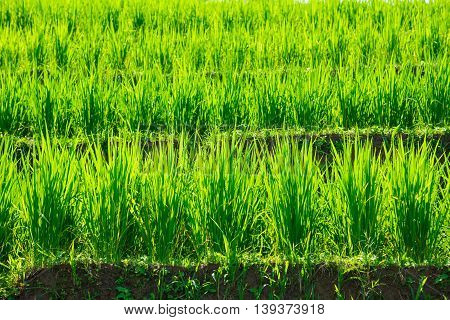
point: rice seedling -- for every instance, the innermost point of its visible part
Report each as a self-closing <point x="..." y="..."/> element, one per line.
<point x="108" y="204"/>
<point x="49" y="183"/>
<point x="228" y="197"/>
<point x="12" y="114"/>
<point x="61" y="52"/>
<point x="293" y="183"/>
<point x="414" y="187"/>
<point x="357" y="176"/>
<point x="162" y="203"/>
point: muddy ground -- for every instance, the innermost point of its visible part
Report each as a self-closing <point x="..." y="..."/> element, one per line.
<point x="107" y="281"/>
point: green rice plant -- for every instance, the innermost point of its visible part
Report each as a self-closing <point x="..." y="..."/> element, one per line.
<point x="62" y="51"/>
<point x="13" y="119"/>
<point x="145" y="108"/>
<point x="293" y="183"/>
<point x="48" y="112"/>
<point x="95" y="109"/>
<point x="109" y="199"/>
<point x="111" y="19"/>
<point x="162" y="204"/>
<point x="138" y="20"/>
<point x="356" y="197"/>
<point x="272" y="107"/>
<point x="23" y="17"/>
<point x="38" y="54"/>
<point x="414" y="187"/>
<point x="187" y="107"/>
<point x="9" y="57"/>
<point x="7" y="182"/>
<point x="49" y="182"/>
<point x="444" y="210"/>
<point x="226" y="208"/>
<point x="438" y="107"/>
<point x="91" y="57"/>
<point x="119" y="53"/>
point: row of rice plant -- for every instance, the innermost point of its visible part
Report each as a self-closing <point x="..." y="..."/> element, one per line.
<point x="86" y="67"/>
<point x="222" y="200"/>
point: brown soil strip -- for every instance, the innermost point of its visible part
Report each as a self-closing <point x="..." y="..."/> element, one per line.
<point x="107" y="281"/>
<point x="322" y="143"/>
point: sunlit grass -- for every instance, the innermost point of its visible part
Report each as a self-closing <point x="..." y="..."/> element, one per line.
<point x="80" y="68"/>
<point x="224" y="198"/>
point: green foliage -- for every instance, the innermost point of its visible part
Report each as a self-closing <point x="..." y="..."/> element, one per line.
<point x="131" y="68"/>
<point x="293" y="183"/>
<point x="357" y="197"/>
<point x="226" y="197"/>
<point x="162" y="203"/>
<point x="419" y="215"/>
<point x="49" y="187"/>
<point x="110" y="185"/>
<point x="7" y="172"/>
<point x="186" y="65"/>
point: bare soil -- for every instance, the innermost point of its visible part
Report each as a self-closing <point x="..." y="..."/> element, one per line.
<point x="210" y="281"/>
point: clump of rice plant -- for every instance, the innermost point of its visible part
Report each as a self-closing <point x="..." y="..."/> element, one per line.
<point x="162" y="202"/>
<point x="414" y="177"/>
<point x="292" y="182"/>
<point x="108" y="202"/>
<point x="226" y="208"/>
<point x="356" y="197"/>
<point x="49" y="182"/>
<point x="62" y="51"/>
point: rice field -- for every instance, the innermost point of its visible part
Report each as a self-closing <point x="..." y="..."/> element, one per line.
<point x="223" y="201"/>
<point x="82" y="68"/>
<point x="166" y="133"/>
